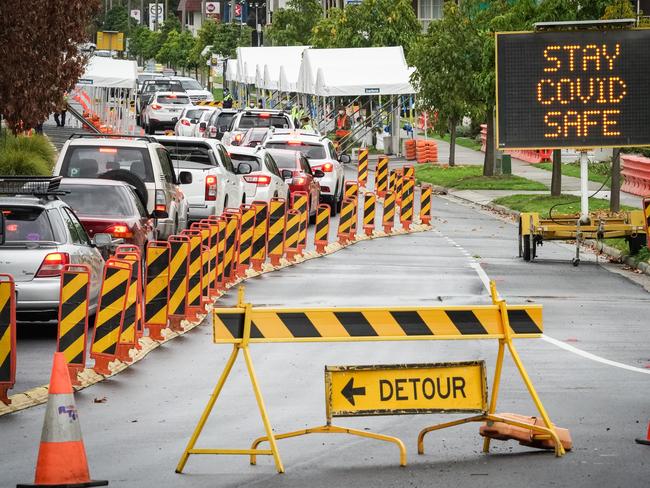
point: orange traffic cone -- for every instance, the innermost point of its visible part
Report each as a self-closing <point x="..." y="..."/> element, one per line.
<point x="645" y="441"/>
<point x="61" y="457"/>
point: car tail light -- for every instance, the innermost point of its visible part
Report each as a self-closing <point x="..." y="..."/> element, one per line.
<point x="211" y="187"/>
<point x="156" y="106"/>
<point x="299" y="180"/>
<point x="213" y="131"/>
<point x="327" y="168"/>
<point x="265" y="115"/>
<point x="238" y="138"/>
<point x="109" y="150"/>
<point x="52" y="264"/>
<point x="201" y="129"/>
<point x="120" y="231"/>
<point x="185" y="122"/>
<point x="294" y="143"/>
<point x="161" y="202"/>
<point x="259" y="180"/>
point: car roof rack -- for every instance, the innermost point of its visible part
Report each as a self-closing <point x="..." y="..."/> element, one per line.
<point x="81" y="135"/>
<point x="40" y="186"/>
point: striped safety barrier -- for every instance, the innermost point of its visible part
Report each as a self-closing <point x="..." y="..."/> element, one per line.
<point x="425" y="204"/>
<point x="277" y="227"/>
<point x="362" y="169"/>
<point x="406" y="211"/>
<point x="194" y="275"/>
<point x="179" y="280"/>
<point x="206" y="269"/>
<point x="247" y="231"/>
<point x="231" y="256"/>
<point x="292" y="239"/>
<point x="351" y="189"/>
<point x="345" y="221"/>
<point x="213" y="289"/>
<point x="408" y="171"/>
<point x="260" y="234"/>
<point x="381" y="176"/>
<point x="300" y="202"/>
<point x="369" y="213"/>
<point x="388" y="218"/>
<point x="156" y="290"/>
<point x="321" y="234"/>
<point x="133" y="313"/>
<point x="7" y="336"/>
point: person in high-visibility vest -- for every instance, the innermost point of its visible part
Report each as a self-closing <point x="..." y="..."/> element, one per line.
<point x="227" y="98"/>
<point x="305" y="124"/>
<point x="343" y="120"/>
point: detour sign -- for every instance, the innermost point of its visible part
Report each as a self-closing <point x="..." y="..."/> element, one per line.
<point x="406" y="389"/>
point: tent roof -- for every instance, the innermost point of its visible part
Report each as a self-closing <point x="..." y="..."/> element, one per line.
<point x="231" y="70"/>
<point x="110" y="73"/>
<point x="355" y="71"/>
<point x="249" y="58"/>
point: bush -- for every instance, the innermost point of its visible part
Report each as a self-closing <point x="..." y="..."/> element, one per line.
<point x="26" y="155"/>
<point x="37" y="144"/>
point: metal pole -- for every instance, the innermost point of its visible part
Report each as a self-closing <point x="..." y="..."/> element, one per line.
<point x="584" y="187"/>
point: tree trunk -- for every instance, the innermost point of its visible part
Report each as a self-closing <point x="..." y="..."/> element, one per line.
<point x="615" y="195"/>
<point x="556" y="175"/>
<point x="452" y="142"/>
<point x="488" y="162"/>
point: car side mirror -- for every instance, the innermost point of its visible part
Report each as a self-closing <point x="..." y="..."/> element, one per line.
<point x="244" y="168"/>
<point x="287" y="174"/>
<point x="318" y="173"/>
<point x="159" y="214"/>
<point x="103" y="241"/>
<point x="345" y="158"/>
<point x="185" y="177"/>
<point x="2" y="228"/>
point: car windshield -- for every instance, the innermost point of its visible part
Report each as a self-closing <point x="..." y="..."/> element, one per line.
<point x="173" y="99"/>
<point x="284" y="159"/>
<point x="194" y="114"/>
<point x="172" y="86"/>
<point x="187" y="152"/>
<point x="254" y="161"/>
<point x="98" y="200"/>
<point x="92" y="161"/>
<point x="23" y="224"/>
<point x="191" y="85"/>
<point x="263" y="120"/>
<point x="312" y="151"/>
<point x="223" y="121"/>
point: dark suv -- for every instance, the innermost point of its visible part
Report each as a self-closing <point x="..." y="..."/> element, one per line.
<point x="219" y="123"/>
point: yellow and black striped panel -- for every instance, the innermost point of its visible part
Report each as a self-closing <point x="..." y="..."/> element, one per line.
<point x="293" y="230"/>
<point x="179" y="275"/>
<point x="7" y="332"/>
<point x="367" y="324"/>
<point x="351" y="189"/>
<point x="214" y="245"/>
<point x="277" y="225"/>
<point x="322" y="224"/>
<point x="362" y="177"/>
<point x="391" y="180"/>
<point x="408" y="171"/>
<point x="399" y="184"/>
<point x="206" y="271"/>
<point x="232" y="243"/>
<point x="194" y="273"/>
<point x="389" y="208"/>
<point x="73" y="316"/>
<point x="246" y="235"/>
<point x="212" y="103"/>
<point x="301" y="204"/>
<point x="345" y="218"/>
<point x="381" y="175"/>
<point x="408" y="191"/>
<point x="369" y="210"/>
<point x="425" y="203"/>
<point x="156" y="292"/>
<point x="127" y="336"/>
<point x="111" y="307"/>
<point x="221" y="250"/>
<point x="260" y="234"/>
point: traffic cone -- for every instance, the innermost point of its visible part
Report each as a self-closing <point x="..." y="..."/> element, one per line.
<point x="61" y="457"/>
<point x="645" y="441"/>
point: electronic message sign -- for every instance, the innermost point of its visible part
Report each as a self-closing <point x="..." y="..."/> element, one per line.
<point x="573" y="89"/>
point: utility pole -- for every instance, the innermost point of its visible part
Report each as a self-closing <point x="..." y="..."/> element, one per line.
<point x="615" y="190"/>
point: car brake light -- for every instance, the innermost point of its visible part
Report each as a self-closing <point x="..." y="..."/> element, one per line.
<point x="12" y="227"/>
<point x="259" y="180"/>
<point x="161" y="202"/>
<point x="211" y="187"/>
<point x="171" y="96"/>
<point x="156" y="106"/>
<point x="294" y="143"/>
<point x="265" y="115"/>
<point x="201" y="129"/>
<point x="110" y="150"/>
<point x="327" y="167"/>
<point x="300" y="180"/>
<point x="185" y="122"/>
<point x="52" y="264"/>
<point x="238" y="137"/>
<point x="120" y="231"/>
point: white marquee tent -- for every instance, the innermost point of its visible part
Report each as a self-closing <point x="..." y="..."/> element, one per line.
<point x="110" y="73"/>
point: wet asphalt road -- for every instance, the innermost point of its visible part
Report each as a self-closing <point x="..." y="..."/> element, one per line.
<point x="136" y="437"/>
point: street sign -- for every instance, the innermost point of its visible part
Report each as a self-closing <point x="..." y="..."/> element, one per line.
<point x="573" y="89"/>
<point x="135" y="14"/>
<point x="406" y="389"/>
<point x="156" y="10"/>
<point x="110" y="40"/>
<point x="212" y="9"/>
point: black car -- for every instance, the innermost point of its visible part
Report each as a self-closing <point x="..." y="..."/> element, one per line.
<point x="219" y="123"/>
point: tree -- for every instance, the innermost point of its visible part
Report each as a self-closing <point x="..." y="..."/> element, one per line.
<point x="292" y="26"/>
<point x="445" y="61"/>
<point x="118" y="19"/>
<point x="371" y="23"/>
<point x="176" y="50"/>
<point x="43" y="60"/>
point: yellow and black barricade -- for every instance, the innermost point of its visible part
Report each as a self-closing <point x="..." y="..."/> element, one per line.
<point x="399" y="186"/>
<point x="321" y="234"/>
<point x="362" y="170"/>
<point x="7" y="336"/>
<point x="292" y="239"/>
<point x="381" y="176"/>
<point x="345" y="220"/>
<point x="206" y="270"/>
<point x="369" y="213"/>
<point x="247" y="231"/>
<point x="408" y="170"/>
<point x="300" y="202"/>
<point x="391" y="179"/>
<point x="406" y="211"/>
<point x="179" y="274"/>
<point x="231" y="253"/>
<point x="351" y="189"/>
<point x="211" y="103"/>
<point x="388" y="217"/>
<point x="72" y="328"/>
<point x="277" y="226"/>
<point x="110" y="313"/>
<point x="156" y="290"/>
<point x="194" y="276"/>
<point x="646" y="220"/>
<point x="425" y="204"/>
<point x="213" y="253"/>
<point x="260" y="234"/>
<point x="244" y="324"/>
<point x="133" y="313"/>
<point x="221" y="222"/>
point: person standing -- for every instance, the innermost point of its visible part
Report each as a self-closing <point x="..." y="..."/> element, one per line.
<point x="227" y="99"/>
<point x="61" y="111"/>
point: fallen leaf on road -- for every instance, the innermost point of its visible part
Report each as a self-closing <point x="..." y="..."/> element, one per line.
<point x="100" y="400"/>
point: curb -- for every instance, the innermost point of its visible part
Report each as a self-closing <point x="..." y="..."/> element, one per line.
<point x="88" y="377"/>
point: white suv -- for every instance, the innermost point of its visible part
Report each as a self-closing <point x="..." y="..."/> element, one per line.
<point x="138" y="160"/>
<point x="264" y="181"/>
<point x="194" y="89"/>
<point x="215" y="182"/>
<point x="321" y="155"/>
<point x="253" y="118"/>
<point x="164" y="111"/>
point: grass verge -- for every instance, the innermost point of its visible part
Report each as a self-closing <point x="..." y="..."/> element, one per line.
<point x="471" y="178"/>
<point x="598" y="172"/>
<point x="25" y="155"/>
<point x="467" y="142"/>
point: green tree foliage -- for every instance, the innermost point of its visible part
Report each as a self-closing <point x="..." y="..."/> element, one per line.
<point x="224" y="38"/>
<point x="117" y="19"/>
<point x="176" y="49"/>
<point x="292" y="26"/>
<point x="143" y="43"/>
<point x="371" y="23"/>
<point x="446" y="60"/>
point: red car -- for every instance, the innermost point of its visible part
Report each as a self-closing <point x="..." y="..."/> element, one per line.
<point x="110" y="207"/>
<point x="294" y="166"/>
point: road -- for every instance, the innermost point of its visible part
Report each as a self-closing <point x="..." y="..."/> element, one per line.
<point x="135" y="437"/>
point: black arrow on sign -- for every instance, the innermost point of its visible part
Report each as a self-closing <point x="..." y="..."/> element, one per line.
<point x="349" y="391"/>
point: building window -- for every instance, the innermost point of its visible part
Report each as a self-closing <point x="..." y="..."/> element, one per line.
<point x="429" y="10"/>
